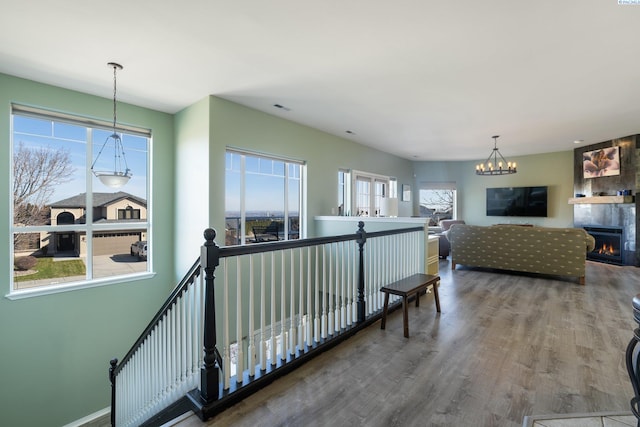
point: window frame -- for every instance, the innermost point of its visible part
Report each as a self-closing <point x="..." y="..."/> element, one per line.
<point x="388" y="185"/>
<point x="344" y="192"/>
<point x="302" y="191"/>
<point x="440" y="186"/>
<point x="89" y="229"/>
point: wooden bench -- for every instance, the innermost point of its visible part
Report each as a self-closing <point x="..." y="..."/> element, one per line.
<point x="405" y="288"/>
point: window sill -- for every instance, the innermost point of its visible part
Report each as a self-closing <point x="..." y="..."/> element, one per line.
<point x="56" y="289"/>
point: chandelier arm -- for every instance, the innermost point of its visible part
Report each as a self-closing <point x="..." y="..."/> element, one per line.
<point x="503" y="159"/>
<point x="486" y="162"/>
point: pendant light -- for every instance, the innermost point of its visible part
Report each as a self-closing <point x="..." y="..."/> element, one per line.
<point x="495" y="163"/>
<point x="120" y="175"/>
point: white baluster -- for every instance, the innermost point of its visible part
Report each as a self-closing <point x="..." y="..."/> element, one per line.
<point x="354" y="281"/>
<point x="316" y="319"/>
<point x="274" y="350"/>
<point x="371" y="247"/>
<point x="301" y="301"/>
<point x="164" y="345"/>
<point x="323" y="328"/>
<point x="188" y="346"/>
<point x="343" y="308"/>
<point x="195" y="331"/>
<point x="292" y="305"/>
<point x="384" y="270"/>
<point x="350" y="285"/>
<point x="310" y="317"/>
<point x="283" y="307"/>
<point x="200" y="333"/>
<point x="240" y="351"/>
<point x="338" y="283"/>
<point x="226" y="345"/>
<point x="331" y="294"/>
<point x="263" y="309"/>
<point x="182" y="343"/>
<point x="251" y="363"/>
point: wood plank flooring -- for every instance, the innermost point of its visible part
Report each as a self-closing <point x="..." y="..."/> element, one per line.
<point x="504" y="346"/>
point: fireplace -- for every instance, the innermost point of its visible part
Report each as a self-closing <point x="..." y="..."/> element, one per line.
<point x="609" y="244"/>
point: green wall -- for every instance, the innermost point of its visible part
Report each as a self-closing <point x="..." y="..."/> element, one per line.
<point x="192" y="134"/>
<point x="55" y="349"/>
<point x="551" y="169"/>
<point x="233" y="125"/>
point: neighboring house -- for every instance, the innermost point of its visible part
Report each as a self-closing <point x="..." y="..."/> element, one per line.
<point x="108" y="207"/>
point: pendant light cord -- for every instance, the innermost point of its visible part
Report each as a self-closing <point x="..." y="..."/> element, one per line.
<point x="118" y="148"/>
<point x="114" y="97"/>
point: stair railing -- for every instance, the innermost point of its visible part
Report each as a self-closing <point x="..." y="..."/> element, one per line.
<point x="163" y="364"/>
<point x="269" y="308"/>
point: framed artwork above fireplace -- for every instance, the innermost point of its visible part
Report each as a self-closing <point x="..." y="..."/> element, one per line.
<point x="602" y="162"/>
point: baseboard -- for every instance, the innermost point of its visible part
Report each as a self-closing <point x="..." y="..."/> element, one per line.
<point x="97" y="419"/>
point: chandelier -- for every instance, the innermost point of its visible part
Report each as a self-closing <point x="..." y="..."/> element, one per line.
<point x="120" y="175"/>
<point x="495" y="163"/>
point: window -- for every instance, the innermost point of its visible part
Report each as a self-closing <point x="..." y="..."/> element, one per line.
<point x="370" y="189"/>
<point x="263" y="198"/>
<point x="59" y="243"/>
<point x="344" y="197"/>
<point x="129" y="213"/>
<point x="438" y="201"/>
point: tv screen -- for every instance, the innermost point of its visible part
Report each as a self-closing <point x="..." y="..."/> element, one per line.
<point x="517" y="201"/>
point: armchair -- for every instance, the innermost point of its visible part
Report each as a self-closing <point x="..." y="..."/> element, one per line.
<point x="443" y="241"/>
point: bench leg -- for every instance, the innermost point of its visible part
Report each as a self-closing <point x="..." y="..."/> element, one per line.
<point x="405" y="316"/>
<point x="383" y="322"/>
<point x="418" y="298"/>
<point x="436" y="296"/>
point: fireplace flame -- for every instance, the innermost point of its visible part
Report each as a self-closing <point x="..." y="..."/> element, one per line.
<point x="606" y="249"/>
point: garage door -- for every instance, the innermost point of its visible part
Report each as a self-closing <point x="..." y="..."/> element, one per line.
<point x="114" y="244"/>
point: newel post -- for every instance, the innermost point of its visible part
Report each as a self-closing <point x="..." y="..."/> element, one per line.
<point x="361" y="240"/>
<point x="112" y="379"/>
<point x="209" y="373"/>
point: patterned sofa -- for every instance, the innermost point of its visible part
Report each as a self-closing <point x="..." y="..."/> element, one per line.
<point x="556" y="251"/>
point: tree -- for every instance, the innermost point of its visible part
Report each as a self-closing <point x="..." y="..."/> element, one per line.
<point x="438" y="202"/>
<point x="36" y="173"/>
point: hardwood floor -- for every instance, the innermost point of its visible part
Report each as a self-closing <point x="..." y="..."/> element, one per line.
<point x="504" y="346"/>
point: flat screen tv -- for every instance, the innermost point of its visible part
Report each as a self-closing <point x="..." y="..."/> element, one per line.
<point x="517" y="201"/>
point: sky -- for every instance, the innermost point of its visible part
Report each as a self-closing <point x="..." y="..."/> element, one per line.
<point x="36" y="133"/>
<point x="264" y="184"/>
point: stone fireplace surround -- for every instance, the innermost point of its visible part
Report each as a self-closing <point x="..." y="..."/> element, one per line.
<point x="611" y="214"/>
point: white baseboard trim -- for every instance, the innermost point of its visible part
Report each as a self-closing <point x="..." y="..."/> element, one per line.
<point x="91" y="418"/>
<point x="182" y="417"/>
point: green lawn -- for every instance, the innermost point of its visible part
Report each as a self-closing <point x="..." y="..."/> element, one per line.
<point x="47" y="269"/>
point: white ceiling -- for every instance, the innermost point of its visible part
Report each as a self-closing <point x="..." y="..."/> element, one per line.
<point x="422" y="79"/>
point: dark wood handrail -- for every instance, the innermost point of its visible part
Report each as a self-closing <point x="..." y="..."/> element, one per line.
<point x="229" y="251"/>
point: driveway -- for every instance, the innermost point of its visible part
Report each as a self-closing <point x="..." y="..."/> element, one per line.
<point x="103" y="266"/>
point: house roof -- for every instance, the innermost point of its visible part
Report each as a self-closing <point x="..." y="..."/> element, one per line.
<point x="99" y="200"/>
<point x="425" y="80"/>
